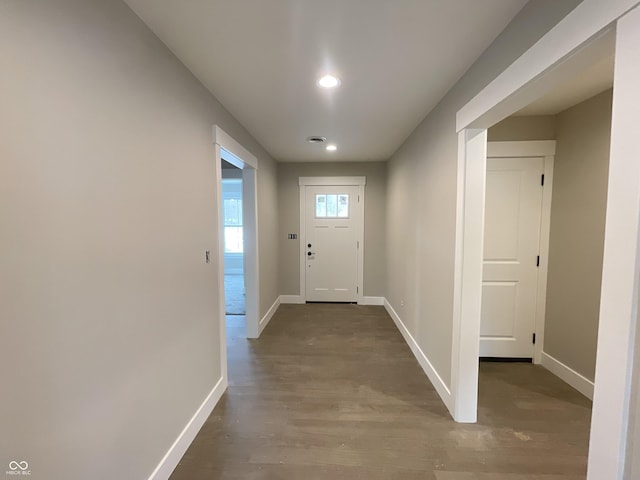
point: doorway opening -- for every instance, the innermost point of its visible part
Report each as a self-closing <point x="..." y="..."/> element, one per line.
<point x="237" y="234"/>
<point x="552" y="297"/>
<point x="616" y="307"/>
<point x="234" y="289"/>
<point x="233" y="234"/>
<point x="542" y="260"/>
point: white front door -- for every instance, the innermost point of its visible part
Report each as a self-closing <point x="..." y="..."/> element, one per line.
<point x="511" y="248"/>
<point x="332" y="223"/>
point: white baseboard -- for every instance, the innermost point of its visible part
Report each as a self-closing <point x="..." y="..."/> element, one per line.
<point x="573" y="378"/>
<point x="170" y="461"/>
<point x="264" y="321"/>
<point x="372" y="301"/>
<point x="432" y="374"/>
<point x="296" y="299"/>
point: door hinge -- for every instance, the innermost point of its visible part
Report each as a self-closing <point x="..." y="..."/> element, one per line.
<point x="542" y="180"/>
<point x="533" y="339"/>
<point x="538" y="261"/>
<point x="357" y="243"/>
<point x="357" y="289"/>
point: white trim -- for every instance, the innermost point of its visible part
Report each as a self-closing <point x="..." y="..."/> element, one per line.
<point x="225" y="146"/>
<point x="456" y="331"/>
<point x="570" y="376"/>
<point x="267" y="316"/>
<point x="173" y="456"/>
<point x="427" y="367"/>
<point x="302" y="281"/>
<point x="559" y="53"/>
<point x="222" y="319"/>
<point x="304" y="182"/>
<point x="472" y="155"/>
<point x="467" y="300"/>
<point x="240" y="156"/>
<point x="546" y="63"/>
<point x="543" y="271"/>
<point x="372" y="301"/>
<point x="341" y="181"/>
<point x="532" y="148"/>
<point x="360" y="290"/>
<point x="547" y="150"/>
<point x="251" y="238"/>
<point x="291" y="299"/>
<point x="620" y="268"/>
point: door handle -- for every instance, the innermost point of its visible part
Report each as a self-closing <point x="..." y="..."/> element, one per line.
<point x="310" y="253"/>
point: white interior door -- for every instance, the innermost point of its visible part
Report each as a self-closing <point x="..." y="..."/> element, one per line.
<point x="332" y="222"/>
<point x="511" y="248"/>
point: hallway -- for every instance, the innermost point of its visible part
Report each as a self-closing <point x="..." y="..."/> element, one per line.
<point x="333" y="392"/>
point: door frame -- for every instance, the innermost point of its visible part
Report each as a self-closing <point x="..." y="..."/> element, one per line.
<point x="234" y="153"/>
<point x="558" y="55"/>
<point x="545" y="149"/>
<point x="359" y="182"/>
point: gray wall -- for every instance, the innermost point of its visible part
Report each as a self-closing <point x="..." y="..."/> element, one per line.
<point x="535" y="127"/>
<point x="374" y="222"/>
<point x="109" y="338"/>
<point x="267" y="187"/>
<point x="422" y="183"/>
<point x="576" y="241"/>
<point x="632" y="460"/>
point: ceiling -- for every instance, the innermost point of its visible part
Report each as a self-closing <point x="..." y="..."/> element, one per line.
<point x="591" y="80"/>
<point x="262" y="58"/>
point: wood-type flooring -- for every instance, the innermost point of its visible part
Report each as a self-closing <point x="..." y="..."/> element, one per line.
<point x="333" y="392"/>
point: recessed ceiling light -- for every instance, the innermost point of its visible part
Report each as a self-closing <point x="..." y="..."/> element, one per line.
<point x="329" y="81"/>
<point x="332" y="148"/>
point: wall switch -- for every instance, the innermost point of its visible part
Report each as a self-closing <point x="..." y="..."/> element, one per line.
<point x="292" y="236"/>
<point x="207" y="256"/>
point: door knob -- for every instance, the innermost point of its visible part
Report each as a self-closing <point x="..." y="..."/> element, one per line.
<point x="310" y="253"/>
<point x="308" y="245"/>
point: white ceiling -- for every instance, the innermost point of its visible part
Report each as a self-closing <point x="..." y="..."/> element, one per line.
<point x="261" y="59"/>
<point x="594" y="79"/>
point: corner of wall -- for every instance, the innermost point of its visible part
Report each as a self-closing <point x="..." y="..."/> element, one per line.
<point x="423" y="360"/>
<point x="177" y="450"/>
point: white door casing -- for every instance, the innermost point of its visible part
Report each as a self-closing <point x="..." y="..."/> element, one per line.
<point x="513" y="208"/>
<point x="334" y="271"/>
<point x="473" y="151"/>
<point x="238" y="156"/>
<point x="506" y="94"/>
